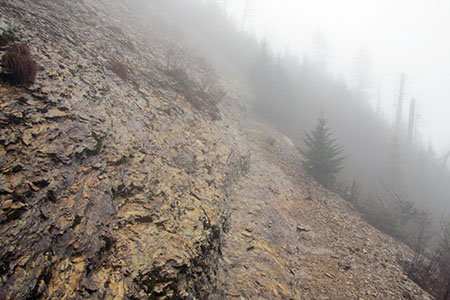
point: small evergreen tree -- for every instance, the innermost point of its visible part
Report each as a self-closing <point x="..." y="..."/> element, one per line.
<point x="321" y="154"/>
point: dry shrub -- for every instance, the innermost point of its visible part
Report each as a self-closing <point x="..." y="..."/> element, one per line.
<point x="197" y="96"/>
<point x="431" y="271"/>
<point x="188" y="87"/>
<point x="195" y="101"/>
<point x="120" y="69"/>
<point x="210" y="86"/>
<point x="217" y="96"/>
<point x="130" y="45"/>
<point x="21" y="67"/>
<point x="215" y="115"/>
<point x="173" y="56"/>
<point x="441" y="288"/>
<point x="116" y="30"/>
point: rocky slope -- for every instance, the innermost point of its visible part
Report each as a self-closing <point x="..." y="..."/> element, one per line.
<point x="292" y="239"/>
<point x="109" y="189"/>
<point x="133" y="189"/>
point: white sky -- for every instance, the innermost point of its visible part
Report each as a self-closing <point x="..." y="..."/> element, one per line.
<point x="411" y="36"/>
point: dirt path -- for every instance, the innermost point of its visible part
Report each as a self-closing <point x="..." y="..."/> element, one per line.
<point x="291" y="239"/>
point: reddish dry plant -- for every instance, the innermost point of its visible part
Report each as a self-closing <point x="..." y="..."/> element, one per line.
<point x="120" y="69"/>
<point x="116" y="30"/>
<point x="21" y="67"/>
<point x="130" y="45"/>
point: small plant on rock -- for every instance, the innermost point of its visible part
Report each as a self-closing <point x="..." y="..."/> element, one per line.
<point x="173" y="56"/>
<point x="20" y="65"/>
<point x="120" y="69"/>
<point x="6" y="38"/>
<point x="188" y="87"/>
<point x="130" y="45"/>
<point x="210" y="87"/>
<point x="443" y="262"/>
<point x="116" y="29"/>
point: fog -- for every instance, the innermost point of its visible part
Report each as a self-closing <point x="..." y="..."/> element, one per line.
<point x="347" y="59"/>
<point x="400" y="36"/>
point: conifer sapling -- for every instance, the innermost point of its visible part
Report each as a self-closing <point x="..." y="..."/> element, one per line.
<point x="321" y="154"/>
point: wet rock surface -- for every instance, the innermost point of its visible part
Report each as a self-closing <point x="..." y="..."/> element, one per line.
<point x="290" y="238"/>
<point x="116" y="188"/>
<point x="109" y="189"/>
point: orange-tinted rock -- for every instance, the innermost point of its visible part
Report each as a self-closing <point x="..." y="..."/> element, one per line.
<point x="102" y="205"/>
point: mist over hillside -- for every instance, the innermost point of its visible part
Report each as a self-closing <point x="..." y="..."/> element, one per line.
<point x="157" y="149"/>
<point x="291" y="92"/>
<point x="398" y="179"/>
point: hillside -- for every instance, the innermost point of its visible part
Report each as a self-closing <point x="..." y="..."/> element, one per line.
<point x="290" y="238"/>
<point x="132" y="188"/>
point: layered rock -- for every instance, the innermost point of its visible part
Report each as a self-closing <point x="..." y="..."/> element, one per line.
<point x="109" y="188"/>
<point x="290" y="238"/>
<point x="130" y="185"/>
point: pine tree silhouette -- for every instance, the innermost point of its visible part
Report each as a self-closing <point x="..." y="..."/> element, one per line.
<point x="322" y="154"/>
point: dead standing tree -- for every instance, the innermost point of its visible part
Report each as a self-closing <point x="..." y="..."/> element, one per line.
<point x="398" y="119"/>
<point x="412" y="119"/>
<point x="444" y="159"/>
<point x="246" y="13"/>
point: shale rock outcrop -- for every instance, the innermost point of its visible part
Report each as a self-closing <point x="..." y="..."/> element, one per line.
<point x="120" y="178"/>
<point x="290" y="238"/>
<point x="109" y="188"/>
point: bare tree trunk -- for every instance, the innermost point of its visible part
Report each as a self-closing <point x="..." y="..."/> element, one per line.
<point x="411" y="124"/>
<point x="379" y="97"/>
<point x="445" y="159"/>
<point x="398" y="119"/>
<point x="244" y="15"/>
